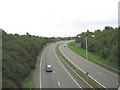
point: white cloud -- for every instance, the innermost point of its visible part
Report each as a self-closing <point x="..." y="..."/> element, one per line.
<point x="57" y="17"/>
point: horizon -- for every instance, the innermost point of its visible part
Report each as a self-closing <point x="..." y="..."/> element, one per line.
<point x="56" y="36"/>
<point x="53" y="18"/>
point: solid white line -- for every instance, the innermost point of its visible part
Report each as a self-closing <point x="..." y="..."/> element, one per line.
<point x="40" y="67"/>
<point x="81" y="69"/>
<point x="67" y="71"/>
<point x="58" y="83"/>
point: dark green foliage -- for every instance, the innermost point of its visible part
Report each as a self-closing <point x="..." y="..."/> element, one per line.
<point x="19" y="55"/>
<point x="7" y="82"/>
<point x="104" y="43"/>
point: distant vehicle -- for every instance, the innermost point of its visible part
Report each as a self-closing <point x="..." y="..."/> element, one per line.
<point x="64" y="45"/>
<point x="48" y="68"/>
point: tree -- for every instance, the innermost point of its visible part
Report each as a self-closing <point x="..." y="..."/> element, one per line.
<point x="104" y="43"/>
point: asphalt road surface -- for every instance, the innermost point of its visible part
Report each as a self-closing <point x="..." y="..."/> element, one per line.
<point x="103" y="76"/>
<point x="59" y="78"/>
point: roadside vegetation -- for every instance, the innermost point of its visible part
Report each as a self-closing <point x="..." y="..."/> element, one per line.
<point x="102" y="47"/>
<point x="19" y="54"/>
<point x="28" y="82"/>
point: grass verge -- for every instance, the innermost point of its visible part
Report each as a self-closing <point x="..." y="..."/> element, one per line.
<point x="28" y="82"/>
<point x="94" y="58"/>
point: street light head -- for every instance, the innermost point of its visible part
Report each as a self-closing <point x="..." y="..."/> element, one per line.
<point x="93" y="35"/>
<point x="87" y="32"/>
<point x="78" y="35"/>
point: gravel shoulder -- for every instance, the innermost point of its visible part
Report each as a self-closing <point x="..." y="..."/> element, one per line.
<point x="36" y="75"/>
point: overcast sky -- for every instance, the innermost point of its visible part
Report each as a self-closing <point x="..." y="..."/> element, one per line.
<point x="57" y="17"/>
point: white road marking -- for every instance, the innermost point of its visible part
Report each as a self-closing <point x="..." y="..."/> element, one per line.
<point x="40" y="69"/>
<point x="81" y="69"/>
<point x="58" y="83"/>
<point x="53" y="71"/>
<point x="67" y="71"/>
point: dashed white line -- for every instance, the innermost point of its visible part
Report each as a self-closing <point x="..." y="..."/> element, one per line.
<point x="54" y="72"/>
<point x="67" y="71"/>
<point x="58" y="83"/>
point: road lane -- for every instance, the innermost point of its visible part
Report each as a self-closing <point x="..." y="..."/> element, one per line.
<point x="47" y="79"/>
<point x="103" y="76"/>
<point x="59" y="78"/>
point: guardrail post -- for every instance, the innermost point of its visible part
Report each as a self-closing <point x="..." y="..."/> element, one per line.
<point x="87" y="76"/>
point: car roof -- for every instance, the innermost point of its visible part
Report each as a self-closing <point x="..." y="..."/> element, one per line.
<point x="49" y="65"/>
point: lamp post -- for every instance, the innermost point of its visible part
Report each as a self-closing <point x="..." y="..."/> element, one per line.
<point x="86" y="49"/>
<point x="87" y="45"/>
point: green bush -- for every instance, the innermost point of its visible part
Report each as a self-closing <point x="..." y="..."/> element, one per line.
<point x="19" y="55"/>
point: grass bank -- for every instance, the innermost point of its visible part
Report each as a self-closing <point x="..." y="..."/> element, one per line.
<point x="28" y="82"/>
<point x="94" y="58"/>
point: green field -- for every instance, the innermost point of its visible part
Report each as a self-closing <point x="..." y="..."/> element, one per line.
<point x="92" y="57"/>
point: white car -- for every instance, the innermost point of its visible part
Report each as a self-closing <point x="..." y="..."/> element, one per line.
<point x="48" y="68"/>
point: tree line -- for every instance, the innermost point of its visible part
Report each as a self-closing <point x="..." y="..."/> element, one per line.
<point x="103" y="43"/>
<point x="19" y="54"/>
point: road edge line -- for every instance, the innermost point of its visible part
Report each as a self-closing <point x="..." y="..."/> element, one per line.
<point x="40" y="65"/>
